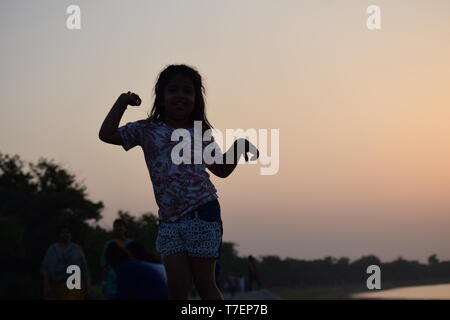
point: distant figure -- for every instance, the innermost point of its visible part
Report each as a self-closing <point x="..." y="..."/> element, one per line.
<point x="109" y="286"/>
<point x="59" y="256"/>
<point x="253" y="275"/>
<point x="232" y="285"/>
<point x="241" y="283"/>
<point x="190" y="229"/>
<point x="136" y="279"/>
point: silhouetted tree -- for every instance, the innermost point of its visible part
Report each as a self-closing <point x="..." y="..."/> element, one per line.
<point x="433" y="260"/>
<point x="33" y="203"/>
<point x="143" y="229"/>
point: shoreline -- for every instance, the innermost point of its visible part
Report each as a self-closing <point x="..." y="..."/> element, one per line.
<point x="345" y="291"/>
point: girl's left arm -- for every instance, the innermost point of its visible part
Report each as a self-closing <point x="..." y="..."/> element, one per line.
<point x="225" y="168"/>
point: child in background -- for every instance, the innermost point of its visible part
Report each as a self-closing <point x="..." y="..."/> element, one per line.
<point x="109" y="286"/>
<point x="135" y="279"/>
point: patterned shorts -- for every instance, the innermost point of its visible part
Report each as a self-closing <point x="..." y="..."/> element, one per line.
<point x="198" y="233"/>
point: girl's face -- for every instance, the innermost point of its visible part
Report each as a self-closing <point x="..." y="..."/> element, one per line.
<point x="179" y="97"/>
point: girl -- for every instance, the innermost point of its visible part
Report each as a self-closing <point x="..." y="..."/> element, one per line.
<point x="190" y="229"/>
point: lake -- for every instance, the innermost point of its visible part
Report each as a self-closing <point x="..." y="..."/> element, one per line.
<point x="434" y="292"/>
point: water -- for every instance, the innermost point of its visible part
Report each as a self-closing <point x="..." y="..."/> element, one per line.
<point x="433" y="292"/>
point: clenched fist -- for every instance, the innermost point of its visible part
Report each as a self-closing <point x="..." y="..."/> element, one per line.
<point x="130" y="98"/>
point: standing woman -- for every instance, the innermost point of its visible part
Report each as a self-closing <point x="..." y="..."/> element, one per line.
<point x="59" y="256"/>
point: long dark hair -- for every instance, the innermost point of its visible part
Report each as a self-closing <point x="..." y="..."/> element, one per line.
<point x="198" y="114"/>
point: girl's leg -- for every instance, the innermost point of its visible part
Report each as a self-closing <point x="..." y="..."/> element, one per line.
<point x="203" y="273"/>
<point x="178" y="276"/>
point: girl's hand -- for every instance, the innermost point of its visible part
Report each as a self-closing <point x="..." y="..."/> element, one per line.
<point x="250" y="147"/>
<point x="130" y="98"/>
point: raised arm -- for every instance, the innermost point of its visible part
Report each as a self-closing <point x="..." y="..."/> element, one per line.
<point x="108" y="131"/>
<point x="240" y="147"/>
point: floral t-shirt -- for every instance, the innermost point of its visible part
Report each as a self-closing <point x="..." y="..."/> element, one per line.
<point x="178" y="188"/>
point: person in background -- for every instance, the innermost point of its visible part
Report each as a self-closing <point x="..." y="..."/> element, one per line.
<point x="253" y="275"/>
<point x="232" y="285"/>
<point x="108" y="275"/>
<point x="139" y="252"/>
<point x="59" y="256"/>
<point x="136" y="279"/>
<point x="241" y="283"/>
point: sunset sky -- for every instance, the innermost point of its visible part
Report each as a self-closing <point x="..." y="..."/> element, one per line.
<point x="363" y="115"/>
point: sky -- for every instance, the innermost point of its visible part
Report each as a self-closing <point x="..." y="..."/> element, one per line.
<point x="363" y="115"/>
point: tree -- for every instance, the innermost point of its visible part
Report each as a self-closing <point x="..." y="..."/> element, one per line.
<point x="143" y="229"/>
<point x="34" y="202"/>
<point x="433" y="260"/>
